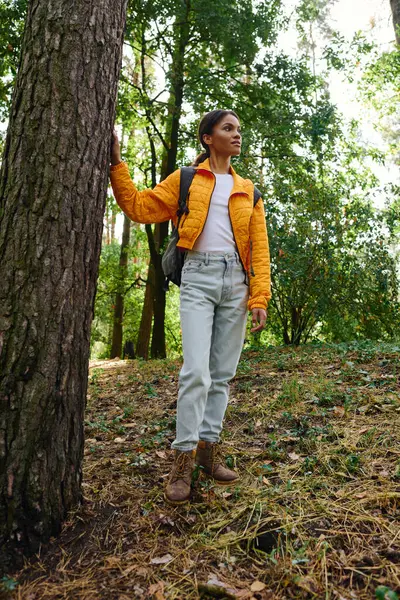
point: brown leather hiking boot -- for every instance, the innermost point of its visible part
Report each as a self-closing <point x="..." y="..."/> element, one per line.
<point x="210" y="458"/>
<point x="177" y="490"/>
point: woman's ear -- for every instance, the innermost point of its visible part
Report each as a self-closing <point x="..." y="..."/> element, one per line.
<point x="207" y="139"/>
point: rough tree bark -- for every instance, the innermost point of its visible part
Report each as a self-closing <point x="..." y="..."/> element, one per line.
<point x="395" y="6"/>
<point x="53" y="185"/>
<point x="116" y="345"/>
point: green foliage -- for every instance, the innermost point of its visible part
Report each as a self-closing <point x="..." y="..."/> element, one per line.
<point x="7" y="584"/>
<point x="380" y="87"/>
<point x="12" y="17"/>
<point x="383" y="592"/>
<point x="334" y="262"/>
<point x="109" y="283"/>
<point x="334" y="272"/>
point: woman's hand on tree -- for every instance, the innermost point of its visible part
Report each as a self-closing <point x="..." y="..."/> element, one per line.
<point x="258" y="319"/>
<point x="115" y="149"/>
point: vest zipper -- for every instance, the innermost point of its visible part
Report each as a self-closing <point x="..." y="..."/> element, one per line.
<point x="233" y="233"/>
<point x="208" y="210"/>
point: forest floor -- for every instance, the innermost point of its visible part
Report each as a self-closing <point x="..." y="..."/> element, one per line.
<point x="315" y="435"/>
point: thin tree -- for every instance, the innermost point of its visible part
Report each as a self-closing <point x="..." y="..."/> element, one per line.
<point x="53" y="185"/>
<point x="116" y="345"/>
<point x="395" y="6"/>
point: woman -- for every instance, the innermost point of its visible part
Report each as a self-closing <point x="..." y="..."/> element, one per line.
<point x="226" y="272"/>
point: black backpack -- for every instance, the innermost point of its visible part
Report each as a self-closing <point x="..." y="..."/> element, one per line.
<point x="173" y="258"/>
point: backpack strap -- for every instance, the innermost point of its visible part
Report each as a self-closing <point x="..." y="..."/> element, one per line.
<point x="187" y="174"/>
<point x="257" y="196"/>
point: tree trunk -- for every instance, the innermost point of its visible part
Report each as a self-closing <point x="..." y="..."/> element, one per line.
<point x="395" y="6"/>
<point x="106" y="233"/>
<point x="116" y="345"/>
<point x="144" y="336"/>
<point x="114" y="211"/>
<point x="53" y="185"/>
<point x="158" y="348"/>
<point x="146" y="321"/>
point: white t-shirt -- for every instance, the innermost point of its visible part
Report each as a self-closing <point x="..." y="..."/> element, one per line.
<point x="217" y="235"/>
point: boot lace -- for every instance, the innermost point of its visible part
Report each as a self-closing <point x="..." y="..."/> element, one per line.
<point x="182" y="464"/>
<point x="216" y="456"/>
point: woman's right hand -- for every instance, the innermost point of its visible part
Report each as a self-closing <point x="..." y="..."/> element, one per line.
<point x="115" y="150"/>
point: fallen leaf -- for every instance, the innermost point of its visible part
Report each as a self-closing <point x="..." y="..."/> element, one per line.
<point x="243" y="595"/>
<point x="361" y="495"/>
<point x="157" y="590"/>
<point x="293" y="456"/>
<point x="363" y="430"/>
<point x="113" y="561"/>
<point x="214" y="586"/>
<point x="226" y="494"/>
<point x="128" y="570"/>
<point x="161" y="454"/>
<point x="119" y="440"/>
<point x="266" y="481"/>
<point x="307" y="584"/>
<point x="215" y="581"/>
<point x="161" y="560"/>
<point x="257" y="586"/>
<point x="338" y="411"/>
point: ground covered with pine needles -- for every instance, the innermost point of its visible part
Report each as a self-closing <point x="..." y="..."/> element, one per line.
<point x="315" y="435"/>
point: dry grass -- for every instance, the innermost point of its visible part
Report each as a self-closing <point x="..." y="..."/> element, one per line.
<point x="315" y="433"/>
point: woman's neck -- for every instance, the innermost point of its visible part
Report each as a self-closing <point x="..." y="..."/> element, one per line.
<point x="220" y="165"/>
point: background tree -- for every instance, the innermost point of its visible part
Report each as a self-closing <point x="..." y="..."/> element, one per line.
<point x="53" y="187"/>
<point x="12" y="18"/>
<point x="395" y="6"/>
<point x="309" y="163"/>
<point x="116" y="345"/>
<point x="194" y="45"/>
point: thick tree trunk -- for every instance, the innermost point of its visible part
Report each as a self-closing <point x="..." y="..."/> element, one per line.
<point x="53" y="187"/>
<point x="116" y="345"/>
<point x="395" y="6"/>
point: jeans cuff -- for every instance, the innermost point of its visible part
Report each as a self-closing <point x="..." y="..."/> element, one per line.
<point x="183" y="449"/>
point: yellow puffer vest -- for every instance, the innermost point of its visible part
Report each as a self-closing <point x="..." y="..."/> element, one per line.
<point x="161" y="204"/>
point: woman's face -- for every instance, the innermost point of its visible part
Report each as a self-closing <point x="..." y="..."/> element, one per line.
<point x="226" y="138"/>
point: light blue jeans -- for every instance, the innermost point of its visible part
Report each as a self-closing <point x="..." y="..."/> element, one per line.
<point x="213" y="309"/>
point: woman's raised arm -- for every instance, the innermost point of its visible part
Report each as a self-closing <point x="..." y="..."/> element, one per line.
<point x="147" y="206"/>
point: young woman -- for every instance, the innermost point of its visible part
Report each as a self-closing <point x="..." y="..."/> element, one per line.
<point x="226" y="272"/>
